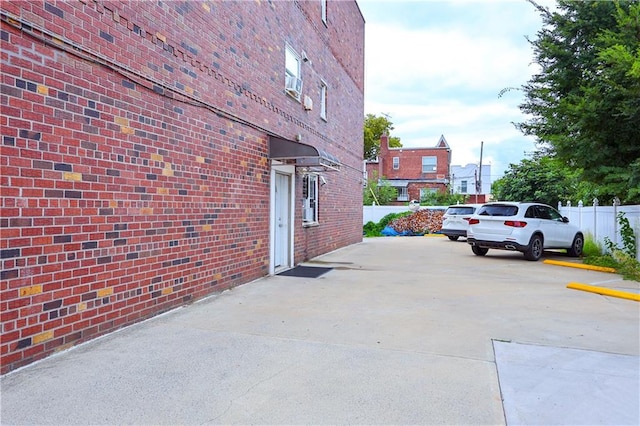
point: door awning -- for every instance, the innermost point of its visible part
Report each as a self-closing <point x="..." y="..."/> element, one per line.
<point x="302" y="155"/>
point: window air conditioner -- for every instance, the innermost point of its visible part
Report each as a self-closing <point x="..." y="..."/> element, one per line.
<point x="308" y="103"/>
<point x="293" y="85"/>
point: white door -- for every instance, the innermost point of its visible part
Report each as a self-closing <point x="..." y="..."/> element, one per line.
<point x="281" y="222"/>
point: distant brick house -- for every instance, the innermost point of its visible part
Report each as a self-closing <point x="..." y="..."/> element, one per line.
<point x="412" y="171"/>
<point x="156" y="152"/>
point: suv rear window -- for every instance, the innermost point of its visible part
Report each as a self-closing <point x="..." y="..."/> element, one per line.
<point x="457" y="211"/>
<point x="498" y="210"/>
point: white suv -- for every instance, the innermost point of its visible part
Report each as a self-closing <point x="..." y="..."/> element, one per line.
<point x="526" y="227"/>
<point x="456" y="220"/>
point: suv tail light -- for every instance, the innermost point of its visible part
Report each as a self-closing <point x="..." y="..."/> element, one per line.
<point x="473" y="221"/>
<point x="467" y="218"/>
<point x="515" y="223"/>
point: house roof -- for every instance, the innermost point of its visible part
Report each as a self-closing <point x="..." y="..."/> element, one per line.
<point x="442" y="143"/>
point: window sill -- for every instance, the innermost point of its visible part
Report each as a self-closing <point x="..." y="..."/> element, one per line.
<point x="310" y="224"/>
<point x="293" y="96"/>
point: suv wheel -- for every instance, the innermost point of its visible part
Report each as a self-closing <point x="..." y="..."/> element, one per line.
<point x="479" y="251"/>
<point x="535" y="249"/>
<point x="576" y="247"/>
<point x="453" y="237"/>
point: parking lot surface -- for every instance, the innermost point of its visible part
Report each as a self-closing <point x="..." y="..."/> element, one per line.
<point x="402" y="330"/>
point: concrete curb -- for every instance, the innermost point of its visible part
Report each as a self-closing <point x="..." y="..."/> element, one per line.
<point x="580" y="266"/>
<point x="604" y="291"/>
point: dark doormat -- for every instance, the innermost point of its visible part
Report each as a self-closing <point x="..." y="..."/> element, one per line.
<point x="305" y="271"/>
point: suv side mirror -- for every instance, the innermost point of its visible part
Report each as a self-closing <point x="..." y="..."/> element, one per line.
<point x="565" y="219"/>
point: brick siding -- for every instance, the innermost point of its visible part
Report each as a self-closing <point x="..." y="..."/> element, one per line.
<point x="410" y="167"/>
<point x="135" y="169"/>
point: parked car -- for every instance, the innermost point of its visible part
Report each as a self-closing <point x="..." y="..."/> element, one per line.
<point x="526" y="227"/>
<point x="456" y="220"/>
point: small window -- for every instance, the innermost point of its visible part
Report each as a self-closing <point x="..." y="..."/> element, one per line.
<point x="323" y="8"/>
<point x="396" y="163"/>
<point x="403" y="194"/>
<point x="310" y="198"/>
<point x="463" y="186"/>
<point x="555" y="215"/>
<point x="429" y="164"/>
<point x="425" y="192"/>
<point x="293" y="81"/>
<point x="323" y="100"/>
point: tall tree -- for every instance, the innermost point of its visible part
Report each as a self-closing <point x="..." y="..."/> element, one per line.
<point x="541" y="179"/>
<point x="374" y="127"/>
<point x="585" y="102"/>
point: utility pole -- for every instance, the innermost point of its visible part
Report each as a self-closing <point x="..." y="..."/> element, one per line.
<point x="475" y="182"/>
<point x="479" y="182"/>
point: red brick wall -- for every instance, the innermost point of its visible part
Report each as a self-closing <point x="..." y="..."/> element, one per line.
<point x="135" y="170"/>
<point x="411" y="163"/>
<point x="411" y="167"/>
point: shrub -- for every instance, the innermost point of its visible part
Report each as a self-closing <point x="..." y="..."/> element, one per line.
<point x="628" y="238"/>
<point x="591" y="247"/>
<point x="615" y="258"/>
<point x="371" y="229"/>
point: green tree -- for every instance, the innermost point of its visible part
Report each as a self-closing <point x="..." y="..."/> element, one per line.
<point x="374" y="127"/>
<point x="379" y="192"/>
<point x="443" y="198"/>
<point x="541" y="179"/>
<point x="585" y="102"/>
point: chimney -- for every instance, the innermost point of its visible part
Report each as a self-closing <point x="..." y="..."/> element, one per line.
<point x="383" y="155"/>
<point x="384" y="144"/>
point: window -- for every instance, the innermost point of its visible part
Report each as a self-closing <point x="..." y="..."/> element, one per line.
<point x="425" y="192"/>
<point x="323" y="7"/>
<point x="403" y="194"/>
<point x="396" y="163"/>
<point x="309" y="198"/>
<point x="544" y="212"/>
<point x="463" y="186"/>
<point x="429" y="164"/>
<point x="293" y="82"/>
<point x="498" y="210"/>
<point x="323" y="100"/>
<point x="459" y="211"/>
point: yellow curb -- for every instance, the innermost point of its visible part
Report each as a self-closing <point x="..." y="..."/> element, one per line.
<point x="433" y="235"/>
<point x="580" y="266"/>
<point x="604" y="291"/>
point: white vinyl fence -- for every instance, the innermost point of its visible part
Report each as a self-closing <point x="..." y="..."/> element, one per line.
<point x="601" y="221"/>
<point x="597" y="221"/>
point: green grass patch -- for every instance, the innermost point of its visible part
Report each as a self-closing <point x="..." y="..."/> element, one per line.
<point x="626" y="265"/>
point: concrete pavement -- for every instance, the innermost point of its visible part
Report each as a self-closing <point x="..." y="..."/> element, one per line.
<point x="405" y="330"/>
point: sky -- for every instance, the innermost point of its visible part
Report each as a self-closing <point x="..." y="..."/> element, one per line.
<point x="437" y="67"/>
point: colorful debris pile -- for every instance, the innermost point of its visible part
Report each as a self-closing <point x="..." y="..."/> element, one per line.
<point x="425" y="221"/>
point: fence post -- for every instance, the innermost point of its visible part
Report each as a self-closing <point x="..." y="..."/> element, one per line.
<point x="616" y="203"/>
<point x="580" y="214"/>
<point x="637" y="233"/>
<point x="595" y="219"/>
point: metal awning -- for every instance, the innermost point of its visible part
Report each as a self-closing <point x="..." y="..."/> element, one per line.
<point x="302" y="155"/>
<point x="397" y="183"/>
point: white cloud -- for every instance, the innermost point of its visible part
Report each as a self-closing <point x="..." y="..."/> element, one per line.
<point x="437" y="67"/>
<point x="439" y="60"/>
